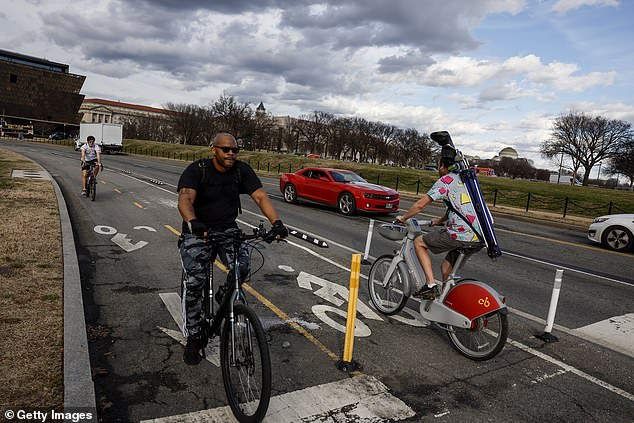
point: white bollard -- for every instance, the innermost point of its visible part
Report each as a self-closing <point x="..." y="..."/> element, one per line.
<point x="546" y="335"/>
<point x="368" y="241"/>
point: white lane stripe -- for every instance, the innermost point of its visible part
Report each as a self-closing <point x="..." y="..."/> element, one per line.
<point x="361" y="398"/>
<point x="568" y="268"/>
<point x="329" y="241"/>
<point x="571" y="369"/>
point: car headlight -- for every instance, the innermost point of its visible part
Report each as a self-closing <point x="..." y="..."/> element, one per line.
<point x="599" y="219"/>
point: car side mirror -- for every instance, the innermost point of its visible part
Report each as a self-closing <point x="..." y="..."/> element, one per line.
<point x="324" y="178"/>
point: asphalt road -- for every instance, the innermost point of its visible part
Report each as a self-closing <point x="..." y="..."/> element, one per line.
<point x="130" y="271"/>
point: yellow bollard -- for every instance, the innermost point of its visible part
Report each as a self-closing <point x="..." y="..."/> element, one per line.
<point x="355" y="269"/>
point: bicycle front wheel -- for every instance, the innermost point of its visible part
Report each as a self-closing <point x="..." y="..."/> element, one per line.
<point x="389" y="296"/>
<point x="93" y="189"/>
<point x="484" y="339"/>
<point x="246" y="365"/>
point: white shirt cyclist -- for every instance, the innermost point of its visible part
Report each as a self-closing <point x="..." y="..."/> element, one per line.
<point x="91" y="152"/>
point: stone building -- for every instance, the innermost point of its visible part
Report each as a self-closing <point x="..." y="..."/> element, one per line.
<point x="38" y="93"/>
<point x="97" y="110"/>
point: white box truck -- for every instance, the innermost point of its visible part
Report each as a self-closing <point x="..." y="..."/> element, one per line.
<point x="109" y="136"/>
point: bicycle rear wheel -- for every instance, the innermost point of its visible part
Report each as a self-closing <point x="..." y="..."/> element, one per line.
<point x="390" y="298"/>
<point x="484" y="339"/>
<point x="246" y="365"/>
<point x="93" y="188"/>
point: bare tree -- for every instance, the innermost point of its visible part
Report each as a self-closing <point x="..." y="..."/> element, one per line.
<point x="623" y="162"/>
<point x="586" y="140"/>
<point x="311" y="130"/>
<point x="186" y="122"/>
<point x="234" y="118"/>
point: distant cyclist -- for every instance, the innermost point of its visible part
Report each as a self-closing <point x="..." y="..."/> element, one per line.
<point x="90" y="155"/>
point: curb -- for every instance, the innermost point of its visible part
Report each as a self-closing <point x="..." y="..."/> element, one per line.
<point x="79" y="389"/>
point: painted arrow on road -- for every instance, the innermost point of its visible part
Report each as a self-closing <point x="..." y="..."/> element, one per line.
<point x="173" y="303"/>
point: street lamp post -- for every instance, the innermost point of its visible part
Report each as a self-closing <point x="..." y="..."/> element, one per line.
<point x="599" y="175"/>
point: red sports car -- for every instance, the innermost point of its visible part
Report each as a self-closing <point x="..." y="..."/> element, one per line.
<point x="341" y="188"/>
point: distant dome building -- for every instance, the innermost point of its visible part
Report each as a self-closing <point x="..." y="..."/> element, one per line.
<point x="508" y="152"/>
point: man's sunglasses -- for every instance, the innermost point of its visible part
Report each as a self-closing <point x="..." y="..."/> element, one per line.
<point x="225" y="150"/>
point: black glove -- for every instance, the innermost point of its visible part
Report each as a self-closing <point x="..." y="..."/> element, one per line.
<point x="197" y="227"/>
<point x="279" y="229"/>
<point x="83" y="163"/>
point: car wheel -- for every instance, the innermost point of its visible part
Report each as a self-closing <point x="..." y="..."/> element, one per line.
<point x="617" y="238"/>
<point x="347" y="204"/>
<point x="290" y="193"/>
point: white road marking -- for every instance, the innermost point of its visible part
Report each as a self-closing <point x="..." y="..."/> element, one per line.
<point x="286" y="268"/>
<point x="359" y="399"/>
<point x="616" y="332"/>
<point x="594" y="275"/>
<point x="173" y="303"/>
<point x="569" y="368"/>
<point x="105" y="230"/>
<point x="147" y="228"/>
<point x="126" y="243"/>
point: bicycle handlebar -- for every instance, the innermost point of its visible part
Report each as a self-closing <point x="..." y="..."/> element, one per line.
<point x="238" y="236"/>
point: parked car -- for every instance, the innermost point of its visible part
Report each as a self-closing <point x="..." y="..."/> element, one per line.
<point x="59" y="136"/>
<point x="615" y="231"/>
<point x="343" y="189"/>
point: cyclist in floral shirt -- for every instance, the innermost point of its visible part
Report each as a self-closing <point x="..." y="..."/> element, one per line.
<point x="455" y="234"/>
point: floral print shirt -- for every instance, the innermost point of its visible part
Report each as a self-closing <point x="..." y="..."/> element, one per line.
<point x="450" y="189"/>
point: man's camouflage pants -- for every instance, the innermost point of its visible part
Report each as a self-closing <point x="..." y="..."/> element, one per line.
<point x="195" y="258"/>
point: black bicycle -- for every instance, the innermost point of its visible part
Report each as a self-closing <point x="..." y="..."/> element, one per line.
<point x="91" y="182"/>
<point x="244" y="352"/>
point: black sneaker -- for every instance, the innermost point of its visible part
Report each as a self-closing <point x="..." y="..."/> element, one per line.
<point x="193" y="350"/>
<point x="427" y="292"/>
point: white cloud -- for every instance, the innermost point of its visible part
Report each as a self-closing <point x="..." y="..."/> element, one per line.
<point x="564" y="6"/>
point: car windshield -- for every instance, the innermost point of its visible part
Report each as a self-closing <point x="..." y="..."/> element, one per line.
<point x="346" y="177"/>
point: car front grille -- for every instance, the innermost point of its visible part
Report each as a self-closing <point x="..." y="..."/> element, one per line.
<point x="380" y="197"/>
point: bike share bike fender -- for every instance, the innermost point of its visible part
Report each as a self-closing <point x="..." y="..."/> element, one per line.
<point x="464" y="303"/>
<point x="473" y="299"/>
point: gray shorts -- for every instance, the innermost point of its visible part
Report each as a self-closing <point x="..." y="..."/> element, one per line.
<point x="440" y="241"/>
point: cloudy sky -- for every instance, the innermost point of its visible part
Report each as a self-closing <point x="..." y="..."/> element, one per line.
<point x="495" y="73"/>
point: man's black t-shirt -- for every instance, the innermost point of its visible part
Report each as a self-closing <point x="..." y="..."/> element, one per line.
<point x="217" y="197"/>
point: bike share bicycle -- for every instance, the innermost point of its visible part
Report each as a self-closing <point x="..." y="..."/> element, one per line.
<point x="472" y="313"/>
<point x="244" y="353"/>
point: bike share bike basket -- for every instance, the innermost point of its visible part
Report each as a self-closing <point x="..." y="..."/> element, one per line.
<point x="392" y="231"/>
